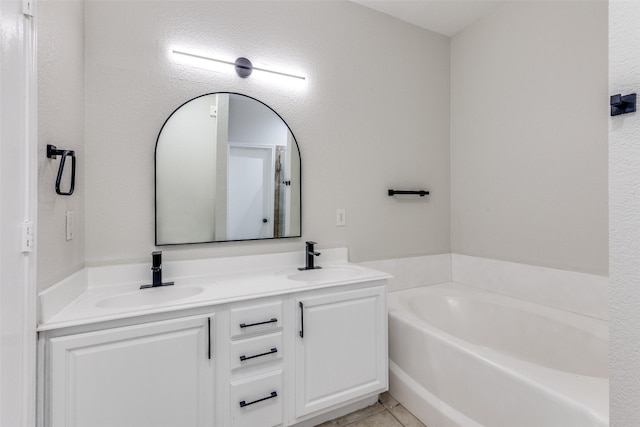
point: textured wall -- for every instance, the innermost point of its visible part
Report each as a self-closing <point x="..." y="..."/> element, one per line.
<point x="624" y="212"/>
<point x="61" y="123"/>
<point x="529" y="136"/>
<point x="373" y="114"/>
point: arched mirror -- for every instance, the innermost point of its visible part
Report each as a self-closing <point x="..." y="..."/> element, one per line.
<point x="227" y="167"/>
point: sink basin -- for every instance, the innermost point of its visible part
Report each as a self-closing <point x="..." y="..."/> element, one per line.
<point x="149" y="296"/>
<point x="326" y="274"/>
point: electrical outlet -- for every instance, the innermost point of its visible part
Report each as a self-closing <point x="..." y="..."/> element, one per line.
<point x="341" y="217"/>
<point x="69" y="226"/>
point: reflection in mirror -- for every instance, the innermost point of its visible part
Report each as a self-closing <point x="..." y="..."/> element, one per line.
<point x="227" y="168"/>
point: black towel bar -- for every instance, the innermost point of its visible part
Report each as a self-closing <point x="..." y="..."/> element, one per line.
<point x="421" y="193"/>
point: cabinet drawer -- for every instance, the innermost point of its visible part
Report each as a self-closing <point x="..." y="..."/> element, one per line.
<point x="256" y="318"/>
<point x="257" y="401"/>
<point x="256" y="350"/>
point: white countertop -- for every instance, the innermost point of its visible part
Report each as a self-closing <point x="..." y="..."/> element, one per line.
<point x="110" y="293"/>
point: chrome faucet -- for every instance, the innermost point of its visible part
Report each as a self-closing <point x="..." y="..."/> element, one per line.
<point x="156" y="268"/>
<point x="310" y="253"/>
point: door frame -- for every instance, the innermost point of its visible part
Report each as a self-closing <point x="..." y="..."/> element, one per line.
<point x="18" y="211"/>
<point x="270" y="185"/>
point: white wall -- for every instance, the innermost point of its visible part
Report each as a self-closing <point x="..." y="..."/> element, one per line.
<point x="252" y="123"/>
<point x="373" y="114"/>
<point x="186" y="153"/>
<point x="61" y="123"/>
<point x="624" y="212"/>
<point x="529" y="136"/>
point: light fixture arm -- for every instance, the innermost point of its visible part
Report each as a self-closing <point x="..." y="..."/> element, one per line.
<point x="242" y="65"/>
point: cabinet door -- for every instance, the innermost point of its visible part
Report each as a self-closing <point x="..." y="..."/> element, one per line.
<point x="155" y="374"/>
<point x="341" y="350"/>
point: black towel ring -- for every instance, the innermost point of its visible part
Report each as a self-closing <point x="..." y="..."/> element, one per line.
<point x="52" y="153"/>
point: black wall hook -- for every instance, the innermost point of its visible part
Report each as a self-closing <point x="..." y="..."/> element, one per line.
<point x="53" y="153"/>
<point x="623" y="104"/>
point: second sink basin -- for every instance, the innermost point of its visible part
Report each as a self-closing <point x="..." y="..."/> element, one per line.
<point x="151" y="296"/>
<point x="328" y="274"/>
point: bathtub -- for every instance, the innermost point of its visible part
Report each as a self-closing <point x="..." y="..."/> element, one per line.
<point x="461" y="356"/>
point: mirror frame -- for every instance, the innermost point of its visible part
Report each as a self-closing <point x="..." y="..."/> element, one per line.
<point x="155" y="177"/>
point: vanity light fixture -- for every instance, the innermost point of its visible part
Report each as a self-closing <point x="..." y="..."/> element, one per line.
<point x="243" y="66"/>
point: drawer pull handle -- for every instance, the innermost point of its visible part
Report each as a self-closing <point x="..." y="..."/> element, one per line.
<point x="273" y="394"/>
<point x="273" y="320"/>
<point x="301" y="333"/>
<point x="209" y="341"/>
<point x="243" y="357"/>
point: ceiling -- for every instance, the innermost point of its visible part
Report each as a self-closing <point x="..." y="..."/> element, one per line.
<point x="446" y="17"/>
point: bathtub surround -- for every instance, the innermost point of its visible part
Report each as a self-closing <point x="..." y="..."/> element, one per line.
<point x="415" y="271"/>
<point x="580" y="293"/>
<point x="567" y="290"/>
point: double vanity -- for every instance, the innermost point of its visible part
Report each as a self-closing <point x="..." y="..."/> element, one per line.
<point x="245" y="341"/>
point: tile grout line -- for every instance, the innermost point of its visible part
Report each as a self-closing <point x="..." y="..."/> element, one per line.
<point x="394" y="416"/>
<point x="391" y="413"/>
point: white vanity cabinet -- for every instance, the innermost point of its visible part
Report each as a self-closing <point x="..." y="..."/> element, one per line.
<point x="341" y="347"/>
<point x="153" y="374"/>
<point x="294" y="356"/>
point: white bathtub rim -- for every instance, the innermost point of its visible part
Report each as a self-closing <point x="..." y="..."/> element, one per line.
<point x="591" y="324"/>
<point x="588" y="393"/>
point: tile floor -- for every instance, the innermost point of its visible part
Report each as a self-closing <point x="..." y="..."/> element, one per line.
<point x="386" y="413"/>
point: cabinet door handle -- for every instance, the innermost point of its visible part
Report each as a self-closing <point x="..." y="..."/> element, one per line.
<point x="209" y="340"/>
<point x="273" y="394"/>
<point x="301" y="305"/>
<point x="244" y="325"/>
<point x="243" y="357"/>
